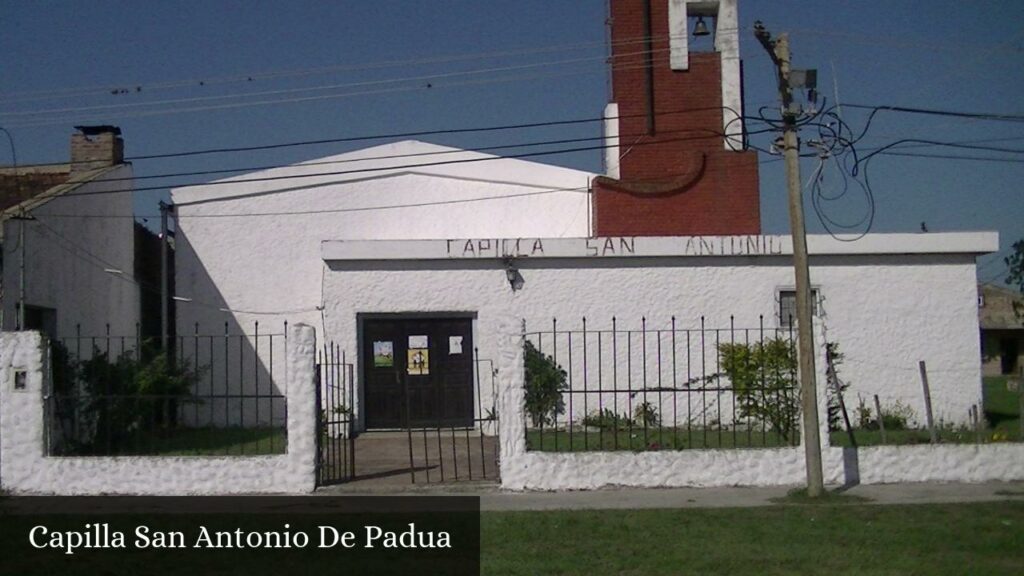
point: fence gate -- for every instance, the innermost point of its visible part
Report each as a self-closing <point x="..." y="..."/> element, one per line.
<point x="335" y="439"/>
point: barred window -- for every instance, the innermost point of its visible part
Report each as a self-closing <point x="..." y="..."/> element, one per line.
<point x="787" y="307"/>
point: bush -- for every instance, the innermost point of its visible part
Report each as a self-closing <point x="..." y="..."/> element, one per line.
<point x="545" y="382"/>
<point x="114" y="400"/>
<point x="608" y="420"/>
<point x="646" y="415"/>
<point x="896" y="417"/>
<point x="763" y="376"/>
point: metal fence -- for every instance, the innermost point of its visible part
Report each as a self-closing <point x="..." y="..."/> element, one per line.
<point x="206" y="394"/>
<point x="335" y="409"/>
<point x="440" y="452"/>
<point x="659" y="387"/>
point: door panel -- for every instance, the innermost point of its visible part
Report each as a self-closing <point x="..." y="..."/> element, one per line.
<point x="435" y="388"/>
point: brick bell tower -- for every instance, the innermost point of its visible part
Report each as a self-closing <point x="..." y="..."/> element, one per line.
<point x="676" y="163"/>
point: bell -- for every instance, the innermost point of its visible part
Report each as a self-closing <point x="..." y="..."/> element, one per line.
<point x="700" y="29"/>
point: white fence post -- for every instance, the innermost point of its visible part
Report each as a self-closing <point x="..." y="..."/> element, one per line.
<point x="21" y="407"/>
<point x="300" y="389"/>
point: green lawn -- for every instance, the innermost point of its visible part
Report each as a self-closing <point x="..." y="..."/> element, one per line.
<point x="638" y="439"/>
<point x="796" y="539"/>
<point x="1001" y="423"/>
<point x="208" y="441"/>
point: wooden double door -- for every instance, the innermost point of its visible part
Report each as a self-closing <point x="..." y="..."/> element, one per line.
<point x="418" y="372"/>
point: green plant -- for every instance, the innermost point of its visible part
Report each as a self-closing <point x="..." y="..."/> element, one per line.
<point x="116" y="399"/>
<point x="646" y="415"/>
<point x="763" y="376"/>
<point x="898" y="416"/>
<point x="545" y="382"/>
<point x="608" y="420"/>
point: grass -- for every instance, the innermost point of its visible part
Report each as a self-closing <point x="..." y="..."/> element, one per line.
<point x="659" y="438"/>
<point x="934" y="539"/>
<point x="208" y="441"/>
<point x="1001" y="410"/>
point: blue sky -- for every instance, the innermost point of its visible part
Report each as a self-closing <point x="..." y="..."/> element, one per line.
<point x="496" y="63"/>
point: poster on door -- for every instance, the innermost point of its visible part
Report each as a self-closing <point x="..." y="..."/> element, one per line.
<point x="383" y="354"/>
<point x="418" y="361"/>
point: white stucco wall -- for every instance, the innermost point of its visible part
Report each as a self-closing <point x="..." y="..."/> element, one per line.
<point x="65" y="258"/>
<point x="887" y="308"/>
<point x="887" y="311"/>
<point x="25" y="469"/>
<point x="259" y="260"/>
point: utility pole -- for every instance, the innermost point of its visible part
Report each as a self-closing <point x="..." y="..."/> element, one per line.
<point x="778" y="50"/>
<point x="164" y="279"/>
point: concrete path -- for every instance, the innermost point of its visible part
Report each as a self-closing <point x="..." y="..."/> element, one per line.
<point x="494" y="499"/>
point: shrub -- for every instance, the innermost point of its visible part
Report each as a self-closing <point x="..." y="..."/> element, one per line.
<point x="545" y="382"/>
<point x="899" y="416"/>
<point x="646" y="415"/>
<point x="116" y="399"/>
<point x="763" y="376"/>
<point x="608" y="420"/>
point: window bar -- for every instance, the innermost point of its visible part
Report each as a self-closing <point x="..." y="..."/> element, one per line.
<point x="750" y="439"/>
<point x="572" y="392"/>
<point x="675" y="390"/>
<point x="600" y="390"/>
<point x="554" y="337"/>
<point x="479" y="409"/>
<point x="227" y="383"/>
<point x="704" y="381"/>
<point x="689" y="393"/>
<point x="661" y="413"/>
<point x="270" y="391"/>
<point x="256" y="379"/>
<point x="351" y="421"/>
<point x="586" y="435"/>
<point x="615" y="384"/>
<point x="732" y="341"/>
<point x="629" y="387"/>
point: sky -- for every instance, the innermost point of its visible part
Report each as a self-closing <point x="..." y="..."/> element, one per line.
<point x="185" y="76"/>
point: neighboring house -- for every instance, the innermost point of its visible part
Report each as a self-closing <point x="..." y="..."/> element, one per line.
<point x="410" y="248"/>
<point x="68" y="247"/>
<point x="1002" y="330"/>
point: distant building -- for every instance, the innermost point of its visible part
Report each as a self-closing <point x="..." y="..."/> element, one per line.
<point x="68" y="245"/>
<point x="1002" y="330"/>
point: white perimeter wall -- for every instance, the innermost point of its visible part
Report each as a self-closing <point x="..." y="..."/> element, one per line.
<point x="25" y="469"/>
<point x="66" y="257"/>
<point x="886" y="311"/>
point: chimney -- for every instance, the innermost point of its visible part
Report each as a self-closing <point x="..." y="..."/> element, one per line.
<point x="676" y="164"/>
<point x="95" y="147"/>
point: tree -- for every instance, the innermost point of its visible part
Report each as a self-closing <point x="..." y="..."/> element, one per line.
<point x="1015" y="273"/>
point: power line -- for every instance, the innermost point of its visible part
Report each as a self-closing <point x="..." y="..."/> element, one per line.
<point x="935" y="112"/>
<point x="383" y="168"/>
<point x="420" y="78"/>
<point x="137" y="87"/>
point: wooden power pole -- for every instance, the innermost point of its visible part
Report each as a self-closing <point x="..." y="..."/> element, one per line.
<point x="779" y="51"/>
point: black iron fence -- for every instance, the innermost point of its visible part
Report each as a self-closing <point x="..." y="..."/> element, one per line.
<point x="659" y="387"/>
<point x="440" y="452"/>
<point x="335" y="409"/>
<point x="205" y="394"/>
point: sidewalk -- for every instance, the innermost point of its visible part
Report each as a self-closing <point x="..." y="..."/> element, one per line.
<point x="494" y="499"/>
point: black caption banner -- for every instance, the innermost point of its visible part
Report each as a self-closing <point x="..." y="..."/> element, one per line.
<point x="240" y="535"/>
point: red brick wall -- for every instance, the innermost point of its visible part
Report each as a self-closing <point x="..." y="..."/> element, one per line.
<point x="701" y="188"/>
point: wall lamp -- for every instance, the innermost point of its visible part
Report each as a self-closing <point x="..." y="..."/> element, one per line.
<point x="515" y="279"/>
